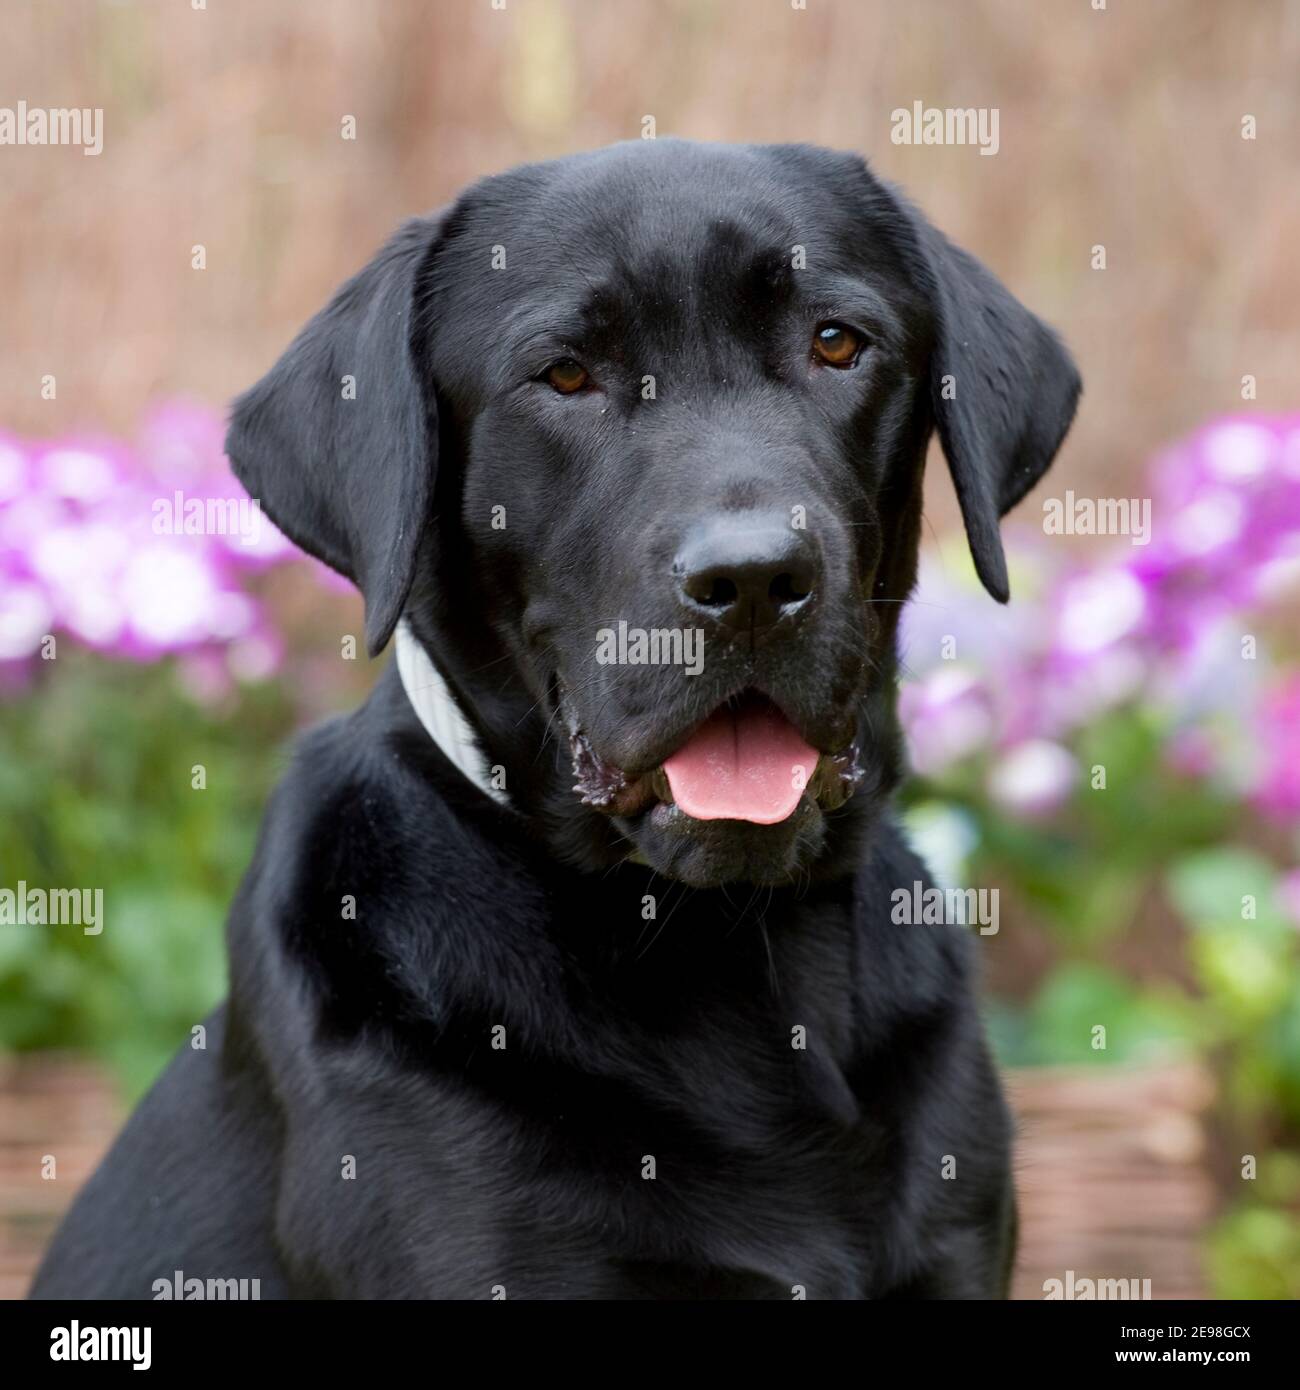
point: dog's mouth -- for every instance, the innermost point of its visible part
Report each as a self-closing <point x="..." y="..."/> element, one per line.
<point x="745" y="762"/>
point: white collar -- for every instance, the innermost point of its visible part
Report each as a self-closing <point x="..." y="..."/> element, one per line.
<point x="443" y="720"/>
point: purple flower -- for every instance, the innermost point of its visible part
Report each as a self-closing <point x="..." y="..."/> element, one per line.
<point x="1162" y="624"/>
<point x="134" y="550"/>
<point x="1288" y="892"/>
<point x="946" y="717"/>
<point x="1034" y="778"/>
<point x="1276" y="791"/>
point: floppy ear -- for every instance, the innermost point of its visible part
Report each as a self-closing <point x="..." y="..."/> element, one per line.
<point x="1004" y="391"/>
<point x="339" y="440"/>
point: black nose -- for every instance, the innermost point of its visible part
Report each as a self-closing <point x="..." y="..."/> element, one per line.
<point x="747" y="572"/>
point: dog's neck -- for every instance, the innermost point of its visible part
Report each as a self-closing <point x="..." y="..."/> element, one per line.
<point x="442" y="717"/>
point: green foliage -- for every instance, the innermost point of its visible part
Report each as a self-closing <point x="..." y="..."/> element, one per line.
<point x="1156" y="870"/>
<point x="1255" y="1253"/>
<point x="1079" y="999"/>
<point x="95" y="792"/>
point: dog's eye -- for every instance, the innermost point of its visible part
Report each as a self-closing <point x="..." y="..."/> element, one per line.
<point x="836" y="345"/>
<point x="567" y="376"/>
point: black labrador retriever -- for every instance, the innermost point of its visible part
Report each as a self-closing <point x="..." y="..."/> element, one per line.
<point x="565" y="967"/>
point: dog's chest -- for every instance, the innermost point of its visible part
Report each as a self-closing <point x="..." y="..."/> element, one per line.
<point x="753" y="1189"/>
<point x="723" y="1153"/>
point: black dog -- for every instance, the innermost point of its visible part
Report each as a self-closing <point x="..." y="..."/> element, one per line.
<point x="654" y="1035"/>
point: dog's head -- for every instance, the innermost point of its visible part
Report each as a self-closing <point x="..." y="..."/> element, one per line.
<point x="634" y="440"/>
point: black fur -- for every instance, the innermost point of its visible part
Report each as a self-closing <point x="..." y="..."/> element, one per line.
<point x="481" y="1169"/>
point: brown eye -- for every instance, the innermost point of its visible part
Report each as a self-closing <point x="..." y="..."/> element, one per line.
<point x="836" y="345"/>
<point x="567" y="377"/>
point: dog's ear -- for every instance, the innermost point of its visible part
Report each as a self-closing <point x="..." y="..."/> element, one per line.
<point x="1003" y="389"/>
<point x="339" y="440"/>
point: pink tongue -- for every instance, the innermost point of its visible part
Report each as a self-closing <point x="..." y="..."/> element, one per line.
<point x="746" y="764"/>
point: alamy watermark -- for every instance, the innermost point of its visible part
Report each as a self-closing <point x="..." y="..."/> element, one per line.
<point x="63" y="125"/>
<point x="946" y="125"/>
<point x="194" y="1290"/>
<point x="1076" y="1288"/>
<point x="1098" y="516"/>
<point x="52" y="907"/>
<point x="656" y="646"/>
<point x="74" y="1342"/>
<point x="954" y="907"/>
<point x="179" y="515"/>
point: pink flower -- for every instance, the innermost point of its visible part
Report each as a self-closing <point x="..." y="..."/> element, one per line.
<point x="136" y="550"/>
<point x="946" y="717"/>
<point x="1034" y="778"/>
<point x="1288" y="892"/>
<point x="1276" y="791"/>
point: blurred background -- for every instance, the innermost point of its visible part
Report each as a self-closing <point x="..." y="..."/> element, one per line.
<point x="1118" y="753"/>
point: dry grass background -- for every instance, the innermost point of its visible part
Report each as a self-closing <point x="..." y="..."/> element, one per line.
<point x="222" y="127"/>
